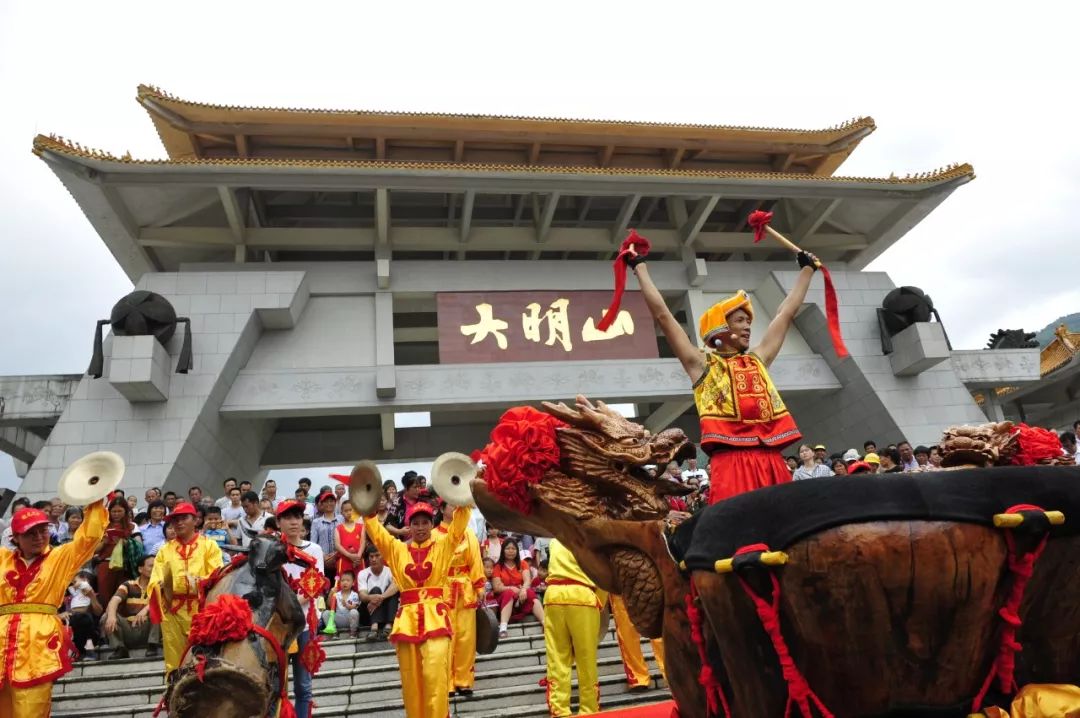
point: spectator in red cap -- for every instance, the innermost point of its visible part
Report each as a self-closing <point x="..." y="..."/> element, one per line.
<point x="323" y="528"/>
<point x="184" y="561"/>
<point x="422" y="629"/>
<point x="37" y="576"/>
<point x="290" y="517"/>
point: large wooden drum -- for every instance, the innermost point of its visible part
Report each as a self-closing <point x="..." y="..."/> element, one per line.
<point x="890" y="596"/>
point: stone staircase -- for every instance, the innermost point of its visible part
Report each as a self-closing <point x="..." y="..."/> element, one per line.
<point x="362" y="679"/>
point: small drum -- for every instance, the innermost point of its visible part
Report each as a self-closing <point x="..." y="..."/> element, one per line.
<point x="888" y="590"/>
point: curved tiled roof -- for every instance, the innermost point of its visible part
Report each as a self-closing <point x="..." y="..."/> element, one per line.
<point x="63" y="146"/>
<point x="149" y="92"/>
<point x="1061" y="349"/>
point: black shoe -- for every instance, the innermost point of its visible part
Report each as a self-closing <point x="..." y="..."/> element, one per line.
<point x="153" y="651"/>
<point x="118" y="654"/>
<point x="640" y="689"/>
<point x="465" y="692"/>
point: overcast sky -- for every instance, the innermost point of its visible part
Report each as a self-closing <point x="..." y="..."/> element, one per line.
<point x="945" y="81"/>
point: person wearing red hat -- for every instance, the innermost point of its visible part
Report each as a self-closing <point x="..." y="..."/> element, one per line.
<point x="744" y="422"/>
<point x="38" y="647"/>
<point x="290" y="516"/>
<point x="422" y="628"/>
<point x="466" y="581"/>
<point x="174" y="583"/>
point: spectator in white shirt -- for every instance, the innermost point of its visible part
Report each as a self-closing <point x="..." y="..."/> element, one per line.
<point x="270" y="493"/>
<point x="693" y="472"/>
<point x="339" y="494"/>
<point x="346" y="606"/>
<point x="908" y="462"/>
<point x="809" y="467"/>
<point x="253" y="519"/>
<point x="380" y="594"/>
<point x="231" y="514"/>
<point x="224" y="501"/>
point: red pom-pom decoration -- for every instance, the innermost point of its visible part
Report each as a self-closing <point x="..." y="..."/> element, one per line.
<point x="226" y="619"/>
<point x="1036" y="445"/>
<point x="523" y="448"/>
<point x="758" y="220"/>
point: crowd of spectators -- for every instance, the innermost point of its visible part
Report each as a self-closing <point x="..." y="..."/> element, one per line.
<point x="107" y="600"/>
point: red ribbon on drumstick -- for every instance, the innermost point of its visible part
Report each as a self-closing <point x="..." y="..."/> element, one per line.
<point x="759" y="221"/>
<point x="633" y="244"/>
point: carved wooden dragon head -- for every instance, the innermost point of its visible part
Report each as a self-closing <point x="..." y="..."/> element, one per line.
<point x="600" y="497"/>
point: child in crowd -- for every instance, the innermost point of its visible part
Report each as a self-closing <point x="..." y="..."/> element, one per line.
<point x="345" y="603"/>
<point x="539" y="584"/>
<point x="214" y="527"/>
<point x="83" y="608"/>
<point x="489" y="598"/>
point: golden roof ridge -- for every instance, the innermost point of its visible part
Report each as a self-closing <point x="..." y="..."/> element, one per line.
<point x="61" y="145"/>
<point x="155" y="93"/>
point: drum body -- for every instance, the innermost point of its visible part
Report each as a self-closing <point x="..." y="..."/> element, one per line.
<point x="889" y="616"/>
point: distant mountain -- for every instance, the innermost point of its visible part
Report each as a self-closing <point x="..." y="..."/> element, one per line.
<point x="1046" y="334"/>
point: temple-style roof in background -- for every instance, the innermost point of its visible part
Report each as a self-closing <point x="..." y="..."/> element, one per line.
<point x="1061" y="349"/>
<point x="194" y="130"/>
<point x="314" y="185"/>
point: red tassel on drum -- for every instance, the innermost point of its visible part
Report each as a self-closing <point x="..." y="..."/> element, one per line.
<point x="799" y="691"/>
<point x="641" y="248"/>
<point x="1021" y="566"/>
<point x="714" y="691"/>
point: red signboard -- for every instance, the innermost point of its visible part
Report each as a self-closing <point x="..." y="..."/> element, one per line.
<point x="476" y="327"/>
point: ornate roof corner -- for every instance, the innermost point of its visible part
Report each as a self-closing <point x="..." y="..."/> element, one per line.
<point x="1062" y="348"/>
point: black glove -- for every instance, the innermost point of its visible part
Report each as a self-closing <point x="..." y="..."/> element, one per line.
<point x="806" y="259"/>
<point x="633" y="260"/>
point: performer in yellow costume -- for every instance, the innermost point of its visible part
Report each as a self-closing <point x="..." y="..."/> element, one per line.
<point x="174" y="583"/>
<point x="36" y="645"/>
<point x="637" y="670"/>
<point x="422" y="629"/>
<point x="466" y="581"/>
<point x="571" y="632"/>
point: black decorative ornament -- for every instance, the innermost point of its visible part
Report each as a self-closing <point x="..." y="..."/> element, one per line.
<point x="1012" y="339"/>
<point x="901" y="308"/>
<point x="143" y="313"/>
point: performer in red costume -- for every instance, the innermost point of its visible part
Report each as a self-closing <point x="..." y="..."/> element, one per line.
<point x="744" y="423"/>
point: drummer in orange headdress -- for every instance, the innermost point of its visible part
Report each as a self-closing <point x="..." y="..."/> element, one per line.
<point x="744" y="423"/>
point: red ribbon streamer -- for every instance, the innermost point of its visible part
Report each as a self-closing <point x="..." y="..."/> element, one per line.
<point x="641" y="247"/>
<point x="759" y="220"/>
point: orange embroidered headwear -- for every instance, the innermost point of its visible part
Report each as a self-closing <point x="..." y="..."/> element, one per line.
<point x="713" y="323"/>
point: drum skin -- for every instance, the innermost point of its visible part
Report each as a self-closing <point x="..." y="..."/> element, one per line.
<point x="891" y="615"/>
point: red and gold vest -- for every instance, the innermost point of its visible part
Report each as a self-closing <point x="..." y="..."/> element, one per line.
<point x="739" y="406"/>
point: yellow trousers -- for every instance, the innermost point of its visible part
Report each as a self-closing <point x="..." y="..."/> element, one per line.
<point x="463" y="648"/>
<point x="174" y="632"/>
<point x="571" y="635"/>
<point x="637" y="670"/>
<point x="424" y="677"/>
<point x="33" y="702"/>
